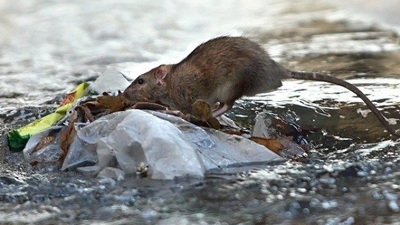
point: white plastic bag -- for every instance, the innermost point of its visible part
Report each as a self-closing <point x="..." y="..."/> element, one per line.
<point x="170" y="146"/>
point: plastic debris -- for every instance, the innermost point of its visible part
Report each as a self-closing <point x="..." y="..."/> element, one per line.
<point x="18" y="138"/>
<point x="112" y="80"/>
<point x="169" y="145"/>
<point x="51" y="152"/>
<point x="110" y="137"/>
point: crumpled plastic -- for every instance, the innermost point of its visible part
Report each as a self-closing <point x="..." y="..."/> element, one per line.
<point x="50" y="152"/>
<point x="170" y="146"/>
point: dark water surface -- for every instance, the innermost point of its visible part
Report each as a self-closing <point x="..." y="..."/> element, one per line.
<point x="350" y="177"/>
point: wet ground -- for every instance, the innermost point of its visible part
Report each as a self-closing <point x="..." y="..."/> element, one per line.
<point x="350" y="177"/>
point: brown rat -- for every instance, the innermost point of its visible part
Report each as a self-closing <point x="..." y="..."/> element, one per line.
<point x="220" y="71"/>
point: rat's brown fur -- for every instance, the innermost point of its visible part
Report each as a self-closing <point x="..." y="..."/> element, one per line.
<point x="220" y="71"/>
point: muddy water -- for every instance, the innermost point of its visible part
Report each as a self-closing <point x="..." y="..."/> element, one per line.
<point x="350" y="177"/>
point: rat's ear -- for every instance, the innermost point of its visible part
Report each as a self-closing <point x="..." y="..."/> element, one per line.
<point x="160" y="74"/>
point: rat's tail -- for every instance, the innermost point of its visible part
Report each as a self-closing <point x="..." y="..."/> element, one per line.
<point x="351" y="87"/>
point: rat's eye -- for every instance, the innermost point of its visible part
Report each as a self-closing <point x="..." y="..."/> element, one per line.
<point x="140" y="81"/>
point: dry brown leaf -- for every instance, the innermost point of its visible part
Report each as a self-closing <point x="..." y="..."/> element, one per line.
<point x="201" y="109"/>
<point x="283" y="146"/>
<point x="97" y="110"/>
<point x="70" y="97"/>
<point x="85" y="112"/>
<point x="67" y="136"/>
<point x="272" y="144"/>
<point x="214" y="123"/>
<point x="114" y="103"/>
<point x="43" y="142"/>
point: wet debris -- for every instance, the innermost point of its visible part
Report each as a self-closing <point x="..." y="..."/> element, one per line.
<point x="86" y="109"/>
<point x="89" y="111"/>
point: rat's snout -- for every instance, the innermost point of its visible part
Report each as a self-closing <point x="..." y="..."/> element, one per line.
<point x="129" y="94"/>
<point x="136" y="92"/>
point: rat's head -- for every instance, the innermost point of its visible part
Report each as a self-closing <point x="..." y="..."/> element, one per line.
<point x="149" y="86"/>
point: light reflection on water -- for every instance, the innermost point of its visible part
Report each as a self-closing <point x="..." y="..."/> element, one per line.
<point x="295" y="91"/>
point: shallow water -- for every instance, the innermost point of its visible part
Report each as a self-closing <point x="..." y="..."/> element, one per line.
<point x="350" y="177"/>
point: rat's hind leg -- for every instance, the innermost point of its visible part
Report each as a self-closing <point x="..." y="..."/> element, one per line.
<point x="226" y="96"/>
<point x="222" y="108"/>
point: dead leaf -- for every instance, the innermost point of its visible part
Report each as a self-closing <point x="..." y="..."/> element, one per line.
<point x="67" y="136"/>
<point x="70" y="97"/>
<point x="97" y="110"/>
<point x="85" y="112"/>
<point x="114" y="103"/>
<point x="272" y="144"/>
<point x="201" y="109"/>
<point x="43" y="142"/>
<point x="214" y="123"/>
<point x="284" y="147"/>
